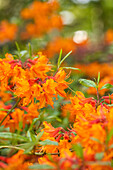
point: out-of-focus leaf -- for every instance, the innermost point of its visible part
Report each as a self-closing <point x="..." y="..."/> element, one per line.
<point x="95" y="139"/>
<point x="24" y="52"/>
<point x="79" y="150"/>
<point x="48" y="142"/>
<point x="87" y="83"/>
<point x="99" y="156"/>
<point x="54" y="117"/>
<point x="107" y="86"/>
<point x="9" y="135"/>
<point x="109" y="136"/>
<point x="39" y="167"/>
<point x="39" y="136"/>
<point x="31" y="136"/>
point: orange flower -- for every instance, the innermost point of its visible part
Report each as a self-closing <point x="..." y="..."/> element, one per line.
<point x="7" y="31"/>
<point x="54" y="47"/>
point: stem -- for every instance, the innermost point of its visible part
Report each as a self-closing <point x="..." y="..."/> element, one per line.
<point x="97" y="97"/>
<point x="10" y="110"/>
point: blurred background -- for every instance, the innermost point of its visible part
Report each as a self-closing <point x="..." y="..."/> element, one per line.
<point x="85" y="27"/>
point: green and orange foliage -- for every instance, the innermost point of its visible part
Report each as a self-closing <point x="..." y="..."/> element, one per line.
<point x="45" y="17"/>
<point x="54" y="46"/>
<point x="8" y="31"/>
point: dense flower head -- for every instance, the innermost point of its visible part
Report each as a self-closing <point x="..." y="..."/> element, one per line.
<point x="30" y="80"/>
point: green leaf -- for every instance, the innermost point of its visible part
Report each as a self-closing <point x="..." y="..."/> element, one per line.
<point x="30" y="50"/>
<point x="59" y="58"/>
<point x="107" y="86"/>
<point x="109" y="136"/>
<point x="39" y="136"/>
<point x="17" y="46"/>
<point x="31" y="136"/>
<point x="98" y="79"/>
<point x="54" y="117"/>
<point x="71" y="68"/>
<point x="23" y="53"/>
<point x="111" y="146"/>
<point x="112" y="163"/>
<point x="95" y="139"/>
<point x="110" y="105"/>
<point x="27" y="147"/>
<point x="38" y="166"/>
<point x="28" y="150"/>
<point x="9" y="135"/>
<point x="2" y="128"/>
<point x="99" y="156"/>
<point x="33" y="122"/>
<point x="87" y="83"/>
<point x="65" y="58"/>
<point x="48" y="142"/>
<point x="79" y="150"/>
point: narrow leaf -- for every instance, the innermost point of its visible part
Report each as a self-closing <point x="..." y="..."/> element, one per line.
<point x="65" y="58"/>
<point x="109" y="136"/>
<point x="59" y="58"/>
<point x="17" y="46"/>
<point x="8" y="135"/>
<point x="48" y="142"/>
<point x="71" y="68"/>
<point x="31" y="136"/>
<point x="98" y="79"/>
<point x="39" y="136"/>
<point x="30" y="50"/>
<point x="43" y="166"/>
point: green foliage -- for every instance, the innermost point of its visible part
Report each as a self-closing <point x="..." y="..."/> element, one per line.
<point x="38" y="166"/>
<point x="79" y="150"/>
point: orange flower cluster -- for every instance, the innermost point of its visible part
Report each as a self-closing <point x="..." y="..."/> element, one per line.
<point x="86" y="144"/>
<point x="54" y="47"/>
<point x="44" y="16"/>
<point x="7" y="31"/>
<point x="93" y="141"/>
<point x="30" y="80"/>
